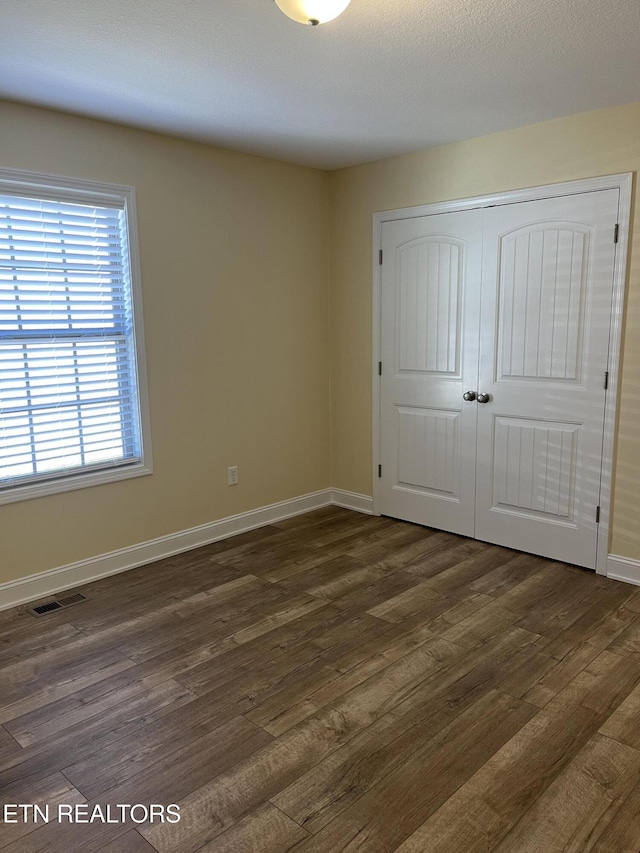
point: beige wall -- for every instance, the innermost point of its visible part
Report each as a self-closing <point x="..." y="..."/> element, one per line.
<point x="234" y="276"/>
<point x="237" y="314"/>
<point x="587" y="145"/>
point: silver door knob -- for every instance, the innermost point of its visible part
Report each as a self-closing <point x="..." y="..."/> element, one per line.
<point x="484" y="398"/>
<point x="469" y="396"/>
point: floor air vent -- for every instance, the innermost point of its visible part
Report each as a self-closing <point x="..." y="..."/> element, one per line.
<point x="57" y="603"/>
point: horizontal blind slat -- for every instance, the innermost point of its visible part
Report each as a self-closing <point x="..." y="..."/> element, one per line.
<point x="62" y="449"/>
<point x="11" y="445"/>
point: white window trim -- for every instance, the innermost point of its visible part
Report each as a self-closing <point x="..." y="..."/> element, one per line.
<point x="39" y="185"/>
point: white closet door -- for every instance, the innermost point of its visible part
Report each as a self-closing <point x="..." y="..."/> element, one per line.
<point x="430" y="316"/>
<point x="546" y="303"/>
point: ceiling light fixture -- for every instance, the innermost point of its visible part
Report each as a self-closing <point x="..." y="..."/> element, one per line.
<point x="312" y="12"/>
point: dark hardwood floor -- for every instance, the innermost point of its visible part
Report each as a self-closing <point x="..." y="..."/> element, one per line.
<point x="333" y="682"/>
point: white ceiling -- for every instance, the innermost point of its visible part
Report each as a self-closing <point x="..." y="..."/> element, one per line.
<point x="387" y="77"/>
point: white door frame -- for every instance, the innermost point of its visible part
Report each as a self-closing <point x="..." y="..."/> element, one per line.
<point x="623" y="182"/>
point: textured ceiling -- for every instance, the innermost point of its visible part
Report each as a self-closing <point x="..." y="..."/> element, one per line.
<point x="387" y="77"/>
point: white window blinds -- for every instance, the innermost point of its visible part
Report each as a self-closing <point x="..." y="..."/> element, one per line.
<point x="68" y="385"/>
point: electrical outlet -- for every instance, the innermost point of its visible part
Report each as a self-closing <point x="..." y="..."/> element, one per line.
<point x="232" y="474"/>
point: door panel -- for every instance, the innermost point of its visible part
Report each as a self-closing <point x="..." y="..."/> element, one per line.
<point x="534" y="466"/>
<point x="428" y="450"/>
<point x="430" y="317"/>
<point x="542" y="280"/>
<point x="428" y="306"/>
<point x="546" y="302"/>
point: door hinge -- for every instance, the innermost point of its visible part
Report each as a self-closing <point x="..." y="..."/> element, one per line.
<point x="380" y="256"/>
<point x="606" y="379"/>
<point x="597" y="515"/>
<point x="616" y="231"/>
<point x="379" y="368"/>
<point x="379" y="470"/>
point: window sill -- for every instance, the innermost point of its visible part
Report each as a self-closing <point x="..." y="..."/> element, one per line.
<point x="71" y="483"/>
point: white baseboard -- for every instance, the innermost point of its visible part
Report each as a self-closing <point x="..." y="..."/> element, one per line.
<point x="352" y="500"/>
<point x="65" y="577"/>
<point x="623" y="569"/>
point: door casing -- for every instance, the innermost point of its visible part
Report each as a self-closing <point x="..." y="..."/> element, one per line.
<point x="623" y="182"/>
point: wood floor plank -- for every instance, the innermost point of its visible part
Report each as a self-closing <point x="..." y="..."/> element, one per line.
<point x="169" y="779"/>
<point x="553" y="616"/>
<point x="16" y="645"/>
<point x="267" y="829"/>
<point x="602" y="685"/>
<point x="130" y="842"/>
<point x="412" y="792"/>
<point x="51" y="667"/>
<point x="89" y="736"/>
<point x="418" y="597"/>
<point x="198" y="746"/>
<point x="540" y="586"/>
<point x="455" y="579"/>
<point x="440" y="559"/>
<point x="137" y="597"/>
<point x="60" y="714"/>
<point x="482" y="625"/>
<point x="606" y="617"/>
<point x="414" y="553"/>
<point x="8" y="744"/>
<point x="270" y="658"/>
<point x="327" y="789"/>
<point x="46" y="791"/>
<point x="539" y="677"/>
<point x="284" y="615"/>
<point x="28" y="694"/>
<point x="386" y="541"/>
<point x="176" y="776"/>
<point x="215" y="620"/>
<point x="114" y="706"/>
<point x="350" y="582"/>
<point x="507" y="575"/>
<point x="448" y="612"/>
<point x="314" y="569"/>
<point x="275" y="691"/>
<point x="367" y="596"/>
<point x="152" y="624"/>
<point x="484" y="809"/>
<point x="330" y="787"/>
<point x="624" y="723"/>
<point x="618" y="830"/>
<point x="563" y="818"/>
<point x="290" y="674"/>
<point x="69" y="837"/>
<point x="228" y="798"/>
<point x="633" y="603"/>
<point x="103" y="638"/>
<point x="469" y="673"/>
<point x="627" y="642"/>
<point x="288" y="707"/>
<point x="320" y="628"/>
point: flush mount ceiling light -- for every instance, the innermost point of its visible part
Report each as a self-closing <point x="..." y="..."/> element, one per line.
<point x="312" y="12"/>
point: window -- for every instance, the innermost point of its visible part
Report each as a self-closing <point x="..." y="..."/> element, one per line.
<point x="71" y="366"/>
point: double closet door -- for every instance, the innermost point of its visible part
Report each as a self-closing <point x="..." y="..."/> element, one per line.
<point x="494" y="344"/>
